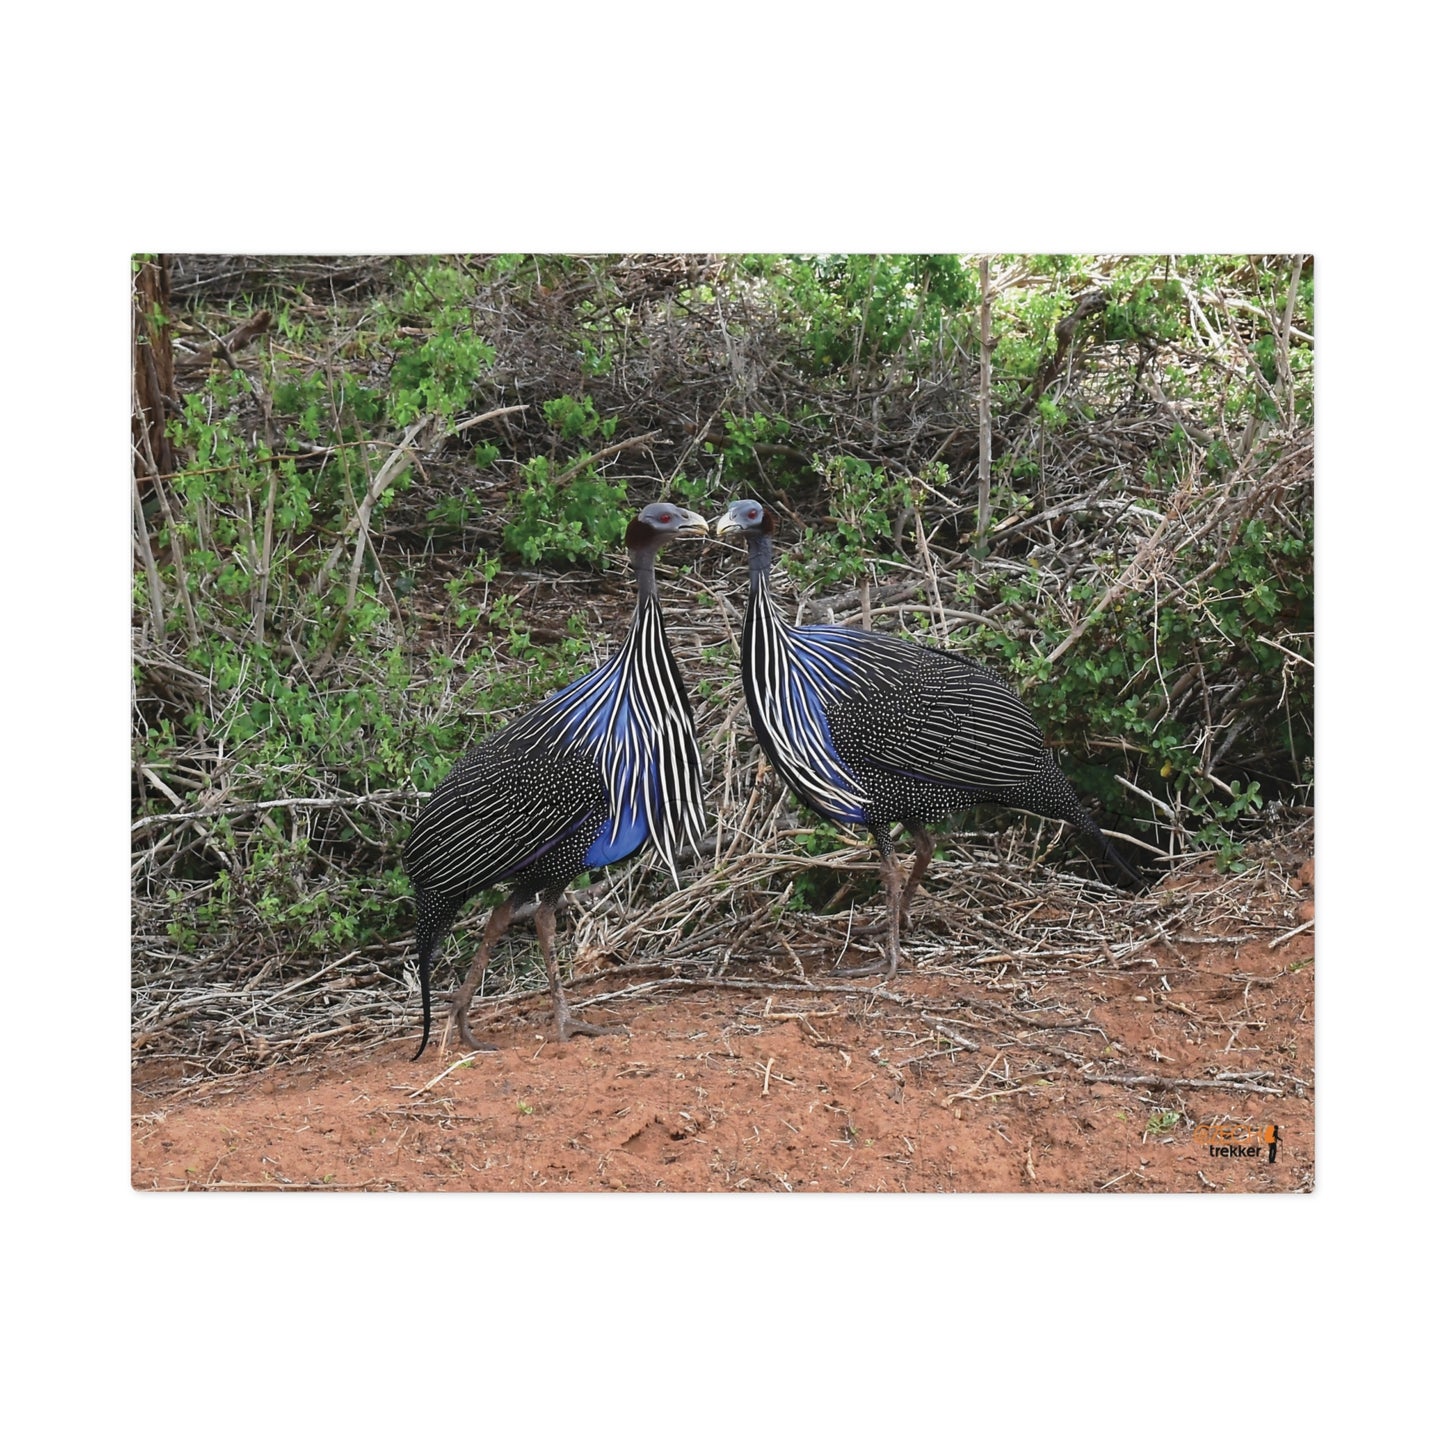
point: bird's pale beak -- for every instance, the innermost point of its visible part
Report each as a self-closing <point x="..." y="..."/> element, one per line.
<point x="691" y="525"/>
<point x="727" y="523"/>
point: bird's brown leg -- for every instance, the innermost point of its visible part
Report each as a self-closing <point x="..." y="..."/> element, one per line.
<point x="893" y="893"/>
<point x="546" y="925"/>
<point x="462" y="998"/>
<point x="893" y="887"/>
<point x="923" y="846"/>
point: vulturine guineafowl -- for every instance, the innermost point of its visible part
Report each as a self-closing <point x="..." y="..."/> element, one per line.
<point x="869" y="728"/>
<point x="586" y="778"/>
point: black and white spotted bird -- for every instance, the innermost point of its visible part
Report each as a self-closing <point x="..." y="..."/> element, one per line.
<point x="871" y="729"/>
<point x="588" y="777"/>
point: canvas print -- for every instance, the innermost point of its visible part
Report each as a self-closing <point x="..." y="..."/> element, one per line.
<point x="723" y="723"/>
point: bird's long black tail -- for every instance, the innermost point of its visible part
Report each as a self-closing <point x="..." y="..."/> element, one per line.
<point x="1050" y="794"/>
<point x="434" y="914"/>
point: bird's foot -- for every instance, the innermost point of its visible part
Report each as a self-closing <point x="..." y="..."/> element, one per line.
<point x="568" y="1024"/>
<point x="872" y="930"/>
<point x="880" y="926"/>
<point x="867" y="970"/>
<point x="459" y="1018"/>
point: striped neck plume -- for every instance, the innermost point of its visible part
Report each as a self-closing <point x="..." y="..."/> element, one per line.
<point x="632" y="715"/>
<point x="790" y="675"/>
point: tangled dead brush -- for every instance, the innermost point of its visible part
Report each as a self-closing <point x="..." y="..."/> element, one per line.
<point x="1146" y="583"/>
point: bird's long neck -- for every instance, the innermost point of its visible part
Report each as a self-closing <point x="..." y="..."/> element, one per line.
<point x="644" y="564"/>
<point x="648" y="616"/>
<point x="646" y="635"/>
<point x="760" y="562"/>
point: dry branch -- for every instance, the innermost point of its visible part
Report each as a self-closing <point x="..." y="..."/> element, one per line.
<point x="1154" y="1081"/>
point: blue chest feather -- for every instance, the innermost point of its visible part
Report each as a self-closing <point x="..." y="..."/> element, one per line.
<point x="620" y="837"/>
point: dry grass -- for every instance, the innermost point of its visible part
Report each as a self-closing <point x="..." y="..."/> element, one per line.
<point x="1009" y="904"/>
<point x="1019" y="904"/>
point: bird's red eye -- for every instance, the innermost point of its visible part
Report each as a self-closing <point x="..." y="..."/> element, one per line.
<point x="665" y="517"/>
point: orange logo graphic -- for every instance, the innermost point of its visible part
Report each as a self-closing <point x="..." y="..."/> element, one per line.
<point x="1239" y="1141"/>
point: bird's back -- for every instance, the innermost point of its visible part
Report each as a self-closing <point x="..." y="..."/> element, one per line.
<point x="942" y="719"/>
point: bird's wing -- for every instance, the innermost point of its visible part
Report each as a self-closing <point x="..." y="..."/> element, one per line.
<point x="936" y="716"/>
<point x="504" y="804"/>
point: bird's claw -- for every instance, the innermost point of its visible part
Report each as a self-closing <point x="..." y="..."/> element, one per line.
<point x="468" y="1038"/>
<point x="568" y="1024"/>
<point x="867" y="970"/>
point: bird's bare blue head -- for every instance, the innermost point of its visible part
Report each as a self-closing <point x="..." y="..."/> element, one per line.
<point x="750" y="518"/>
<point x="652" y="528"/>
<point x="659" y="522"/>
<point x="756" y="524"/>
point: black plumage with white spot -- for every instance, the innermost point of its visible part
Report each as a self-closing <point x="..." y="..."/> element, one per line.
<point x="873" y="729"/>
<point x="586" y="778"/>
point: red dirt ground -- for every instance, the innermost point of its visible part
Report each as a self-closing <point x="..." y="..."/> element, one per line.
<point x="834" y="1088"/>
